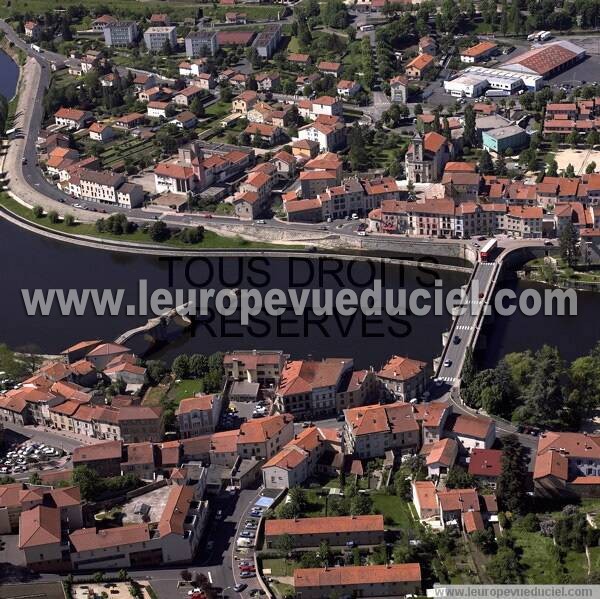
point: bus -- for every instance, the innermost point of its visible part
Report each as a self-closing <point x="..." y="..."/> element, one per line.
<point x="485" y="253"/>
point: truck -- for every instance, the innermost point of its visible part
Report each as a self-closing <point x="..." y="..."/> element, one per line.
<point x="545" y="36"/>
<point x="532" y="37"/>
<point x="485" y="253"/>
<point x="36" y="48"/>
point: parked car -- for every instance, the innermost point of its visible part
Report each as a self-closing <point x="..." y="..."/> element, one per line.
<point x="247" y="574"/>
<point x="238" y="588"/>
<point x="447" y="363"/>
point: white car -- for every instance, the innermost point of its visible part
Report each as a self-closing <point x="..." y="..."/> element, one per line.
<point x="447" y="363"/>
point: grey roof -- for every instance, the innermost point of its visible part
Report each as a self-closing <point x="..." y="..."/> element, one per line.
<point x="504" y="132"/>
<point x="245" y="388"/>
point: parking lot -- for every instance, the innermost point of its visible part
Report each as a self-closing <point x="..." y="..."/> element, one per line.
<point x="239" y="412"/>
<point x="27" y="456"/>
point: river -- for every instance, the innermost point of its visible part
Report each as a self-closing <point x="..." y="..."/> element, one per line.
<point x="9" y="75"/>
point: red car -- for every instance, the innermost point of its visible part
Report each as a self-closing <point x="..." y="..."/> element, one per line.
<point x="247" y="568"/>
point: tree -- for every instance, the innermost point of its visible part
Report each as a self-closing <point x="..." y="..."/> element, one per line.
<point x="593" y="138"/>
<point x="570" y="171"/>
<point x="485" y="540"/>
<point x="69" y="220"/>
<point x="87" y="480"/>
<point x="590" y="168"/>
<point x="35" y="478"/>
<point x="53" y="216"/>
<point x="486" y="165"/>
<point x="505" y="567"/>
<point x="122" y="575"/>
<point x="511" y="487"/>
<point x="469" y="133"/>
<point x="159" y="231"/>
<point x="37" y="211"/>
<point x="181" y="367"/>
<point x="185" y="575"/>
<point x="459" y="478"/>
<point x="468" y="370"/>
<point x="197" y="107"/>
<point x="552" y="170"/>
<point x="284" y="543"/>
<point x="325" y="554"/>
<point x="198" y="365"/>
<point x="155" y="371"/>
<point x="573" y="138"/>
<point x="569" y="250"/>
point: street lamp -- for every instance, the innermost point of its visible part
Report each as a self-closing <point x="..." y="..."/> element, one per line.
<point x="223" y="591"/>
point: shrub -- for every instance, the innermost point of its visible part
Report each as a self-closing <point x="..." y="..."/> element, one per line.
<point x="53" y="216"/>
<point x="38" y="211"/>
<point x="69" y="220"/>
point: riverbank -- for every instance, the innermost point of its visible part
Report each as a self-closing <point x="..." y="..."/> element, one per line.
<point x="82" y="231"/>
<point x="560" y="276"/>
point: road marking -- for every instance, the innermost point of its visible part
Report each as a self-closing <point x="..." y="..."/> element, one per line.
<point x="209" y="577"/>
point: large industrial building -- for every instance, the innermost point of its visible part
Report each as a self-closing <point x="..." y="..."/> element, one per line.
<point x="547" y="60"/>
<point x="527" y="70"/>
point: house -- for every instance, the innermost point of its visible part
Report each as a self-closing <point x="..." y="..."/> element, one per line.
<point x="201" y="43"/>
<point x="204" y="81"/>
<point x="262" y="366"/>
<point x="236" y="18"/>
<point x="396" y="580"/>
<point x="424" y="497"/>
<point x="120" y="33"/>
<point x="479" y="52"/>
<point x="186" y="96"/>
<point x="328" y="132"/>
<point x="336" y="530"/>
<point x="330" y="68"/>
<point x="267" y="133"/>
<point x="193" y="68"/>
<point x="268" y="81"/>
<point x="427" y="45"/>
<point x="454" y="504"/>
<point x="160" y="20"/>
<point x="327" y="106"/>
<point x="302" y="60"/>
<point x="185" y="120"/>
<point x="263" y="438"/>
<point x="157" y="38"/>
<point x="40" y="538"/>
<point x="305" y="149"/>
<point x="404" y="378"/>
<point x="107" y="187"/>
<point x="104" y="458"/>
<point x="308" y="388"/>
<point x="245" y="102"/>
<point x="347" y="89"/>
<point x="157" y="110"/>
<point x="315" y="182"/>
<point x="441" y="456"/>
<point x="72" y="118"/>
<point x="300" y="458"/>
<point x="370" y="431"/>
<point x="101" y="22"/>
<point x="174" y="178"/>
<point x="486" y="466"/>
<point x="140" y="461"/>
<point x="472" y="432"/>
<point x="104" y="353"/>
<point x="431" y="418"/>
<point x="420" y="66"/>
<point x="198" y="415"/>
<point x="399" y="89"/>
<point x="13" y="410"/>
<point x="101" y="132"/>
<point x="126" y="370"/>
<point x="427" y="156"/>
<point x="130" y="121"/>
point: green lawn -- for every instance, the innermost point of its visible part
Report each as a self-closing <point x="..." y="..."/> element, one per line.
<point x="211" y="240"/>
<point x="280" y="567"/>
<point x="186" y="388"/>
<point x="218" y="110"/>
<point x="541" y="564"/>
<point x="394" y="509"/>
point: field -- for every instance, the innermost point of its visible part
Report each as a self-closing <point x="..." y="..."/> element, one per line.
<point x="578" y="158"/>
<point x="132" y="149"/>
<point x="394" y="509"/>
<point x="185" y="388"/>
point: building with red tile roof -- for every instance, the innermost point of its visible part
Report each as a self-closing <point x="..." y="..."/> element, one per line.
<point x="338" y="530"/>
<point x="404" y="378"/>
<point x="396" y="580"/>
<point x="370" y="431"/>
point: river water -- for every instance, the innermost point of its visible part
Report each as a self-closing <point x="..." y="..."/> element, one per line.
<point x="9" y="74"/>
